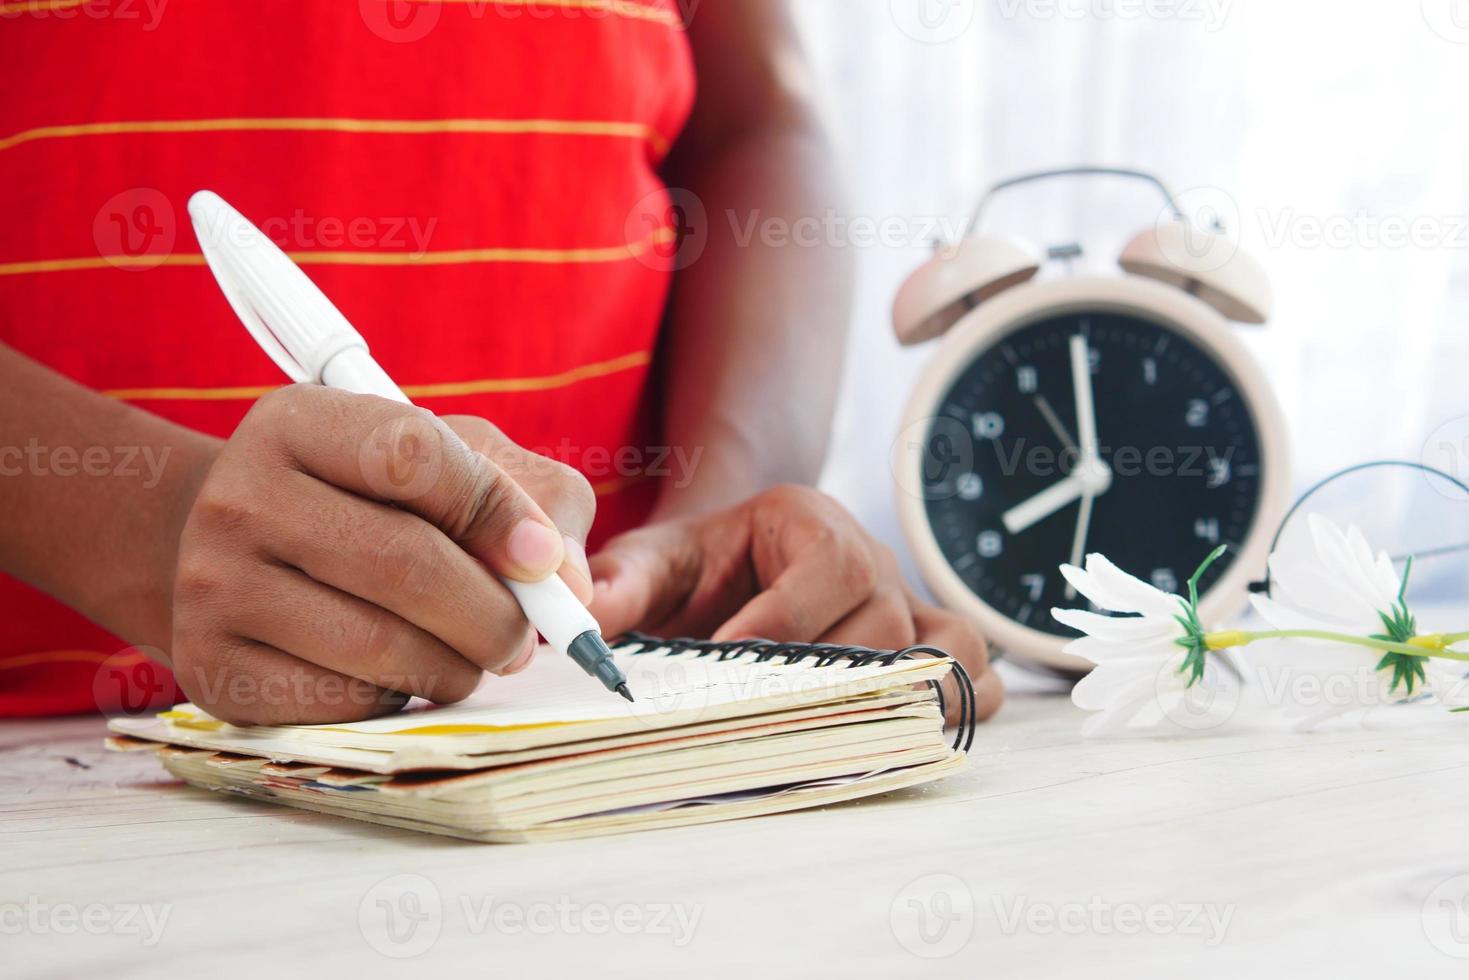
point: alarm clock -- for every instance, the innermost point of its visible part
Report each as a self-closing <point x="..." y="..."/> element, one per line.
<point x="1062" y="415"/>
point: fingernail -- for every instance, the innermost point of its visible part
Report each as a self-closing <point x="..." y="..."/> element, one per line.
<point x="535" y="547"/>
<point x="576" y="570"/>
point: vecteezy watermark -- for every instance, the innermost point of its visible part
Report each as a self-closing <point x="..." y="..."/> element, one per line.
<point x="932" y="917"/>
<point x="1211" y="14"/>
<point x="403" y="917"/>
<point x="667" y="230"/>
<point x="1446" y="917"/>
<point x="933" y="21"/>
<point x="675" y="464"/>
<point x="1449" y="19"/>
<point x="1337" y="684"/>
<point x="297" y="690"/>
<point x="1098" y="916"/>
<point x="949" y="451"/>
<point x="409" y="234"/>
<point x="132" y="682"/>
<point x="1198" y="707"/>
<point x="35" y="916"/>
<point x="147" y="13"/>
<point x="1447" y="450"/>
<point x="406" y="21"/>
<point x="565" y="916"/>
<point x="834" y="229"/>
<point x="400" y="21"/>
<point x="403" y="458"/>
<point x="1362" y="230"/>
<point x="135" y="229"/>
<point x="125" y="462"/>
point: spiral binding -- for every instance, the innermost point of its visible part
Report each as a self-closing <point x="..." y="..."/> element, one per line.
<point x="825" y="654"/>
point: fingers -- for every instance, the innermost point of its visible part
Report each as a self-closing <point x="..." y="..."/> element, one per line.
<point x="561" y="492"/>
<point x="248" y="683"/>
<point x="405" y="456"/>
<point x="815" y="561"/>
<point x="400" y="563"/>
<point x="642" y="579"/>
<point x="284" y="609"/>
<point x="948" y="632"/>
<point x="884" y="621"/>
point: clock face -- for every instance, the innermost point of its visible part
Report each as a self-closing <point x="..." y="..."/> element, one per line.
<point x="1009" y="474"/>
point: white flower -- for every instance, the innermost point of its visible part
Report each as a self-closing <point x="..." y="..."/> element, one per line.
<point x="1140" y="684"/>
<point x="1332" y="581"/>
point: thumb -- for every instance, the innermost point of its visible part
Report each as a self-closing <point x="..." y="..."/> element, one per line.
<point x="641" y="578"/>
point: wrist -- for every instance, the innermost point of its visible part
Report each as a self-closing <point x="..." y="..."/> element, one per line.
<point x="142" y="610"/>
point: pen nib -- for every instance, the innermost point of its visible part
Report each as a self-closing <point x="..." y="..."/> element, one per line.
<point x="622" y="689"/>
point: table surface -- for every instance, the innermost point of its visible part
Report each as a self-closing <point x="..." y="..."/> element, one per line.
<point x="1250" y="854"/>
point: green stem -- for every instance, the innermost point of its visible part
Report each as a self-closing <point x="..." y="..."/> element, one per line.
<point x="1386" y="646"/>
<point x="1452" y="638"/>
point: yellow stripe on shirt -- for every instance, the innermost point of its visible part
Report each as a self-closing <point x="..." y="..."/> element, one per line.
<point x="617" y="8"/>
<point x="461" y="256"/>
<point x="448" y="389"/>
<point x="396" y="127"/>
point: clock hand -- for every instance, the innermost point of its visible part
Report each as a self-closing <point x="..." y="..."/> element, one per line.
<point x="1078" y="540"/>
<point x="1053" y="420"/>
<point x="1044" y="504"/>
<point x="1081" y="384"/>
<point x="1095" y="475"/>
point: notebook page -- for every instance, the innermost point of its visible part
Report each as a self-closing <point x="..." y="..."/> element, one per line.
<point x="539" y="705"/>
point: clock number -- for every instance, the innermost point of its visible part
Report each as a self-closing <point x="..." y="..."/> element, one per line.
<point x="1150" y="371"/>
<point x="1035" y="584"/>
<point x="1197" y="414"/>
<point x="1026" y="380"/>
<point x="990" y="544"/>
<point x="1165" y="579"/>
<point x="988" y="425"/>
<point x="970" y="486"/>
<point x="1207" y="529"/>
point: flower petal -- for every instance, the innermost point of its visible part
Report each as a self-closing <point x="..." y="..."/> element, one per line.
<point x="1112" y="588"/>
<point x="1100" y="651"/>
<point x="1354" y="567"/>
<point x="1110" y="683"/>
<point x="1120" y="629"/>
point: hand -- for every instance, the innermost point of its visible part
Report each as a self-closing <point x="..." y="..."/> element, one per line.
<point x="789" y="564"/>
<point x="339" y="557"/>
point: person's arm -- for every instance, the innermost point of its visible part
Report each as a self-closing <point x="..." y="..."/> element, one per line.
<point x="753" y="345"/>
<point x="743" y="545"/>
<point x="93" y="495"/>
<point x="335" y="555"/>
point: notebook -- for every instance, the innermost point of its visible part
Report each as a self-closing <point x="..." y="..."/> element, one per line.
<point x="717" y="732"/>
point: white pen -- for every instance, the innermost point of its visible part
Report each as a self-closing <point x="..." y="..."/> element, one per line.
<point x="312" y="342"/>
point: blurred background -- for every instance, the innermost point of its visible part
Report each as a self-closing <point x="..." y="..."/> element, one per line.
<point x="1328" y="137"/>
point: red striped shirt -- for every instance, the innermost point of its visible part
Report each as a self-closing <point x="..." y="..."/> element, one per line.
<point x="473" y="183"/>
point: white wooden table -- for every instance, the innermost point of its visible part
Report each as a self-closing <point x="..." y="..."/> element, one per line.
<point x="1330" y="855"/>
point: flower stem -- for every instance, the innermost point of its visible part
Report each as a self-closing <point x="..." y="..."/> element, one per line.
<point x="1241" y="638"/>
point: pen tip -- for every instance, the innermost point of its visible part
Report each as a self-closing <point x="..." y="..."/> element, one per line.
<point x="622" y="689"/>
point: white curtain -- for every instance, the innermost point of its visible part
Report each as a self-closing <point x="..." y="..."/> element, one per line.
<point x="1332" y="136"/>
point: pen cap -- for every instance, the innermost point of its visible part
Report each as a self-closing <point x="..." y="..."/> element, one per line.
<point x="284" y="311"/>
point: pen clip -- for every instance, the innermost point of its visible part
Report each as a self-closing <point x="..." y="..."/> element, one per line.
<point x="289" y="317"/>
